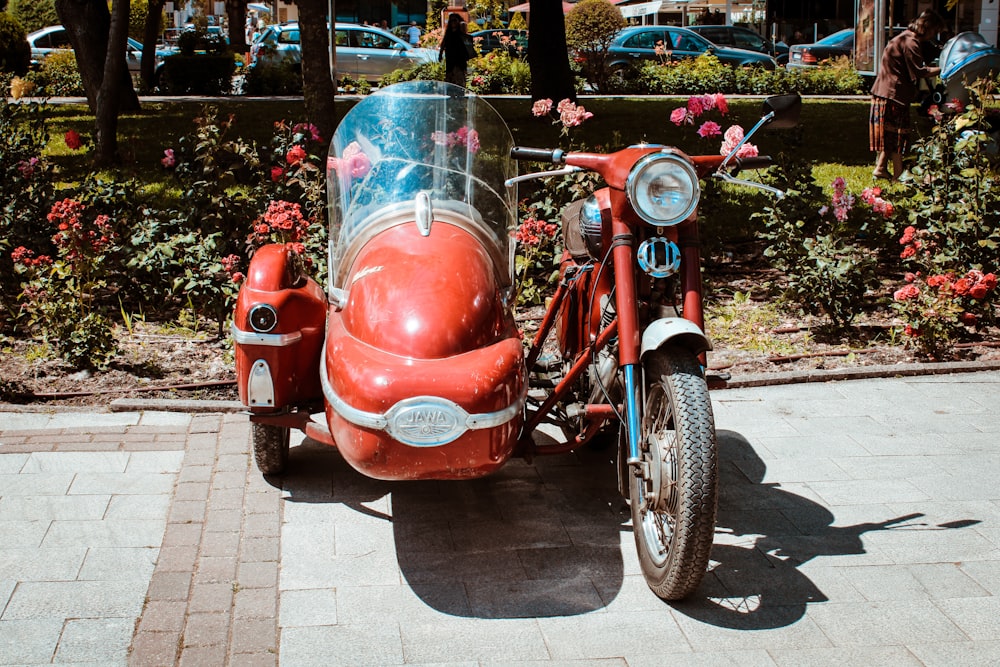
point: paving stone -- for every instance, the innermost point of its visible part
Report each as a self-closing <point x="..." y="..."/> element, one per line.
<point x="103" y="640"/>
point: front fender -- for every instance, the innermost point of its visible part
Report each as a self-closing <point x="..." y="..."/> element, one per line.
<point x="675" y="330"/>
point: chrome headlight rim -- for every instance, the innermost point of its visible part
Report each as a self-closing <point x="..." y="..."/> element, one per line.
<point x="652" y="166"/>
<point x="262" y="317"/>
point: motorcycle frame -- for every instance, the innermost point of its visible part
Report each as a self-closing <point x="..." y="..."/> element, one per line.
<point x="625" y="228"/>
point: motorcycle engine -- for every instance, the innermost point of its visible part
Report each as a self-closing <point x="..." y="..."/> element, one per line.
<point x="582" y="226"/>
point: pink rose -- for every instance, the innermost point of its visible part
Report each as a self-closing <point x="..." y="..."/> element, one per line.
<point x="709" y="129"/>
<point x="678" y="116"/>
<point x="541" y="107"/>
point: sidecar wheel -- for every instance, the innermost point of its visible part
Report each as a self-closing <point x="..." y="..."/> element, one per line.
<point x="270" y="448"/>
<point x="675" y="497"/>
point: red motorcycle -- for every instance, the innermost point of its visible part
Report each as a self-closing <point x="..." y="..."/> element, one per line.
<point x="410" y="362"/>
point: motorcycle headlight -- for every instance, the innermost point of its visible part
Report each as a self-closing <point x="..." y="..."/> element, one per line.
<point x="263" y="318"/>
<point x="663" y="189"/>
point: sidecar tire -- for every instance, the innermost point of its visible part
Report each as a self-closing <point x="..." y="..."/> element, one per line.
<point x="674" y="537"/>
<point x="270" y="448"/>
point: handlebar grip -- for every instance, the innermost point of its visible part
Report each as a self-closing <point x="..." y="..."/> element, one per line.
<point x="758" y="162"/>
<point x="537" y="154"/>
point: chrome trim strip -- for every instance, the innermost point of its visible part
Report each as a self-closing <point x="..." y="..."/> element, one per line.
<point x="381" y="421"/>
<point x="271" y="340"/>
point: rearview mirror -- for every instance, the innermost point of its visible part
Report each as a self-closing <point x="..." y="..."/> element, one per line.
<point x="785" y="110"/>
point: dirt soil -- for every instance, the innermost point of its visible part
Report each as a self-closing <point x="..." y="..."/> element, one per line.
<point x="154" y="364"/>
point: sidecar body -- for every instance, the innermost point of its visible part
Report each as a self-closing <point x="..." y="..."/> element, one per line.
<point x="409" y="362"/>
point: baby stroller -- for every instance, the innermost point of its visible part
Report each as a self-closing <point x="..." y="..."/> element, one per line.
<point x="965" y="58"/>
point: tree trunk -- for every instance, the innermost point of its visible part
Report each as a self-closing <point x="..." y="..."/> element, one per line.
<point x="88" y="23"/>
<point x="110" y="93"/>
<point x="150" y="36"/>
<point x="236" y="14"/>
<point x="548" y="59"/>
<point x="318" y="89"/>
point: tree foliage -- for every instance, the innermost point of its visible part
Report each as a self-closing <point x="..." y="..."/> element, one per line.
<point x="590" y="28"/>
<point x="15" y="56"/>
<point x="34" y="14"/>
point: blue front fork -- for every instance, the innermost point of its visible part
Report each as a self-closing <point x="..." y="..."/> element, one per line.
<point x="632" y="413"/>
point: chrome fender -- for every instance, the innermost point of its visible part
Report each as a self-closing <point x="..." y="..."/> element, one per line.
<point x="675" y="330"/>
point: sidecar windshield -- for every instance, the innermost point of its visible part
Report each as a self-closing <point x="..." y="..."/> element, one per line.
<point x="425" y="140"/>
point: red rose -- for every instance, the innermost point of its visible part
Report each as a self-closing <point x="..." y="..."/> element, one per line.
<point x="277" y="173"/>
<point x="906" y="293"/>
<point x="969" y="319"/>
<point x="296" y="155"/>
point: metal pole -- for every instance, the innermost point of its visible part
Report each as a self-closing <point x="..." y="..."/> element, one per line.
<point x="331" y="24"/>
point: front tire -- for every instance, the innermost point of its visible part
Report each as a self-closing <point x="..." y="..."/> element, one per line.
<point x="674" y="495"/>
<point x="270" y="448"/>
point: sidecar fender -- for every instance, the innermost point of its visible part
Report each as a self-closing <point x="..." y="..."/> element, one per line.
<point x="676" y="331"/>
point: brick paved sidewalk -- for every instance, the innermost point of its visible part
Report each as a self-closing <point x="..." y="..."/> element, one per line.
<point x="198" y="510"/>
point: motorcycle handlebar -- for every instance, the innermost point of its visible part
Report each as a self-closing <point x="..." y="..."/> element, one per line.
<point x="758" y="162"/>
<point x="553" y="155"/>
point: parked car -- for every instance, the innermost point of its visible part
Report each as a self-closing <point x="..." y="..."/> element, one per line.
<point x="55" y="38"/>
<point x="838" y="44"/>
<point x="515" y="41"/>
<point x="363" y="52"/>
<point x="742" y="38"/>
<point x="640" y="43"/>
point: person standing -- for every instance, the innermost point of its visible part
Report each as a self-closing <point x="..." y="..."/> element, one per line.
<point x="413" y="34"/>
<point x="895" y="89"/>
<point x="454" y="51"/>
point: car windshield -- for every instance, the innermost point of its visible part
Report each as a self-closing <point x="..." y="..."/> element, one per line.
<point x="413" y="145"/>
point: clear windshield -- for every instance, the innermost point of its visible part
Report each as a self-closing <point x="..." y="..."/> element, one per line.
<point x="425" y="140"/>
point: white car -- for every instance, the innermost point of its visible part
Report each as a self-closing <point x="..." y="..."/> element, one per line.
<point x="363" y="52"/>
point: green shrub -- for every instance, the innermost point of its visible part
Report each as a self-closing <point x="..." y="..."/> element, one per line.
<point x="58" y="76"/>
<point x="33" y="14"/>
<point x="951" y="247"/>
<point x="273" y="78"/>
<point x="209" y="74"/>
<point x="591" y="26"/>
<point x="428" y="71"/>
<point x="15" y="55"/>
<point x="498" y="73"/>
<point x="819" y="244"/>
<point x="706" y="74"/>
<point x="26" y="190"/>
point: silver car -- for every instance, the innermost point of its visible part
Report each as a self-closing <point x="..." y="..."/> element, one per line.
<point x="363" y="52"/>
<point x="55" y="38"/>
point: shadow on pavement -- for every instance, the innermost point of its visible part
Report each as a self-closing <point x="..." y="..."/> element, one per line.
<point x="528" y="541"/>
<point x="764" y="534"/>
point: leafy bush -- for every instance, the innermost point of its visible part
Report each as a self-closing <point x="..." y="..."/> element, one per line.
<point x="26" y="190"/>
<point x="591" y="26"/>
<point x="818" y="245"/>
<point x="273" y="78"/>
<point x="33" y="14"/>
<point x="951" y="245"/>
<point x="62" y="295"/>
<point x="208" y="74"/>
<point x="706" y="74"/>
<point x="498" y="73"/>
<point x="58" y="76"/>
<point x="427" y="71"/>
<point x="15" y="54"/>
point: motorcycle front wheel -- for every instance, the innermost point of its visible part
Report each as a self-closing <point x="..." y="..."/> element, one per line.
<point x="674" y="493"/>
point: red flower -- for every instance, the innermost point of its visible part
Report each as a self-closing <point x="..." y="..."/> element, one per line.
<point x="277" y="173"/>
<point x="962" y="286"/>
<point x="296" y="155"/>
<point x="73" y="141"/>
<point x="238" y="277"/>
<point x="906" y="293"/>
<point x="968" y="319"/>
